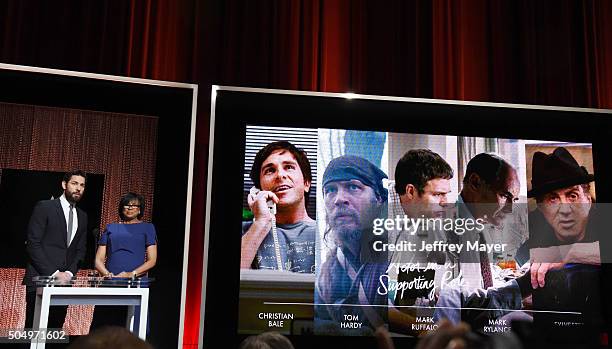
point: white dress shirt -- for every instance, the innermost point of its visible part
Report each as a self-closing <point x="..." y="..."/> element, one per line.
<point x="75" y="223"/>
<point x="75" y="219"/>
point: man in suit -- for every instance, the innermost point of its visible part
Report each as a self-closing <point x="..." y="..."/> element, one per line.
<point x="490" y="188"/>
<point x="55" y="244"/>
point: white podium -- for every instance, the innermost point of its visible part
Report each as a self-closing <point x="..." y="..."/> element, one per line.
<point x="58" y="295"/>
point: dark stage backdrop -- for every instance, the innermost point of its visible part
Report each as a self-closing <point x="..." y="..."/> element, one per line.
<point x="20" y="190"/>
<point x="541" y="52"/>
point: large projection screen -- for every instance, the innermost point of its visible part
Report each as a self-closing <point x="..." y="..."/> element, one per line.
<point x="398" y="212"/>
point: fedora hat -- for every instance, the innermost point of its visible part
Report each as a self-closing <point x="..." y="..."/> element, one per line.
<point x="555" y="171"/>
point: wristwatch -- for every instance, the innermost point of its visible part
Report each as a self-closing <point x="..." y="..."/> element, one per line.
<point x="134" y="274"/>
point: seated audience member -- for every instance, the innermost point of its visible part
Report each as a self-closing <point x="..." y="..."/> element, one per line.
<point x="111" y="337"/>
<point x="281" y="174"/>
<point x="267" y="340"/>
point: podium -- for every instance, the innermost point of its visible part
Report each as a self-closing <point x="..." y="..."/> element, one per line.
<point x="133" y="293"/>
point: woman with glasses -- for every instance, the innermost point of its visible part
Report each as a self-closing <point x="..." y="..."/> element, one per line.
<point x="126" y="249"/>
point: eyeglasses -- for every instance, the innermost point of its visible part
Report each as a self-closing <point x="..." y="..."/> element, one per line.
<point x="128" y="207"/>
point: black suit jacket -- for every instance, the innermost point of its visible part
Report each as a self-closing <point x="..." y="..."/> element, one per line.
<point x="46" y="241"/>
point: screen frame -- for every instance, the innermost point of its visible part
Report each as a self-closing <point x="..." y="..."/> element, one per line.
<point x="89" y="91"/>
<point x="232" y="108"/>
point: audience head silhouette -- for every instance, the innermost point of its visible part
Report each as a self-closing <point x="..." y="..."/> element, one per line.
<point x="267" y="340"/>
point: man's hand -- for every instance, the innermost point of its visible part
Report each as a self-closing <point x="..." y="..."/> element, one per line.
<point x="63" y="277"/>
<point x="124" y="274"/>
<point x="260" y="227"/>
<point x="259" y="206"/>
<point x="539" y="270"/>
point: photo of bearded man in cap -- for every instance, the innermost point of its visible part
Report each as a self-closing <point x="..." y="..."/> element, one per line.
<point x="354" y="197"/>
<point x="564" y="244"/>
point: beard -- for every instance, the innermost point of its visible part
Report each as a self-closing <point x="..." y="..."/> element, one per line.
<point x="347" y="237"/>
<point x="71" y="197"/>
<point x="346" y="227"/>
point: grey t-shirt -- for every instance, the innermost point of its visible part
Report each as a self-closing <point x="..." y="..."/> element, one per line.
<point x="296" y="244"/>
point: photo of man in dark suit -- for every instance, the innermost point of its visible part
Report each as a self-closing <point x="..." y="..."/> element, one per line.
<point x="56" y="237"/>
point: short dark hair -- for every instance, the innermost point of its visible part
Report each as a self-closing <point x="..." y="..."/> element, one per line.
<point x="488" y="166"/>
<point x="300" y="157"/>
<point x="125" y="200"/>
<point x="417" y="167"/>
<point x="69" y="175"/>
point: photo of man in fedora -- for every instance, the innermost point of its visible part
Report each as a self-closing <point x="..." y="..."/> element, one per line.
<point x="562" y="229"/>
<point x="564" y="245"/>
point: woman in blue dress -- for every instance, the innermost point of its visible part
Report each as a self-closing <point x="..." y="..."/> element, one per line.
<point x="127" y="249"/>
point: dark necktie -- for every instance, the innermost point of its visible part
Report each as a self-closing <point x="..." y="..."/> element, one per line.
<point x="485" y="266"/>
<point x="70" y="223"/>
